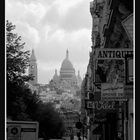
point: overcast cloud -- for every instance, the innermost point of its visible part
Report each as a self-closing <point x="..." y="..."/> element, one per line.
<point x="51" y="27"/>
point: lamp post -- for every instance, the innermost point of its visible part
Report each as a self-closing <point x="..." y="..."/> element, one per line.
<point x="79" y="126"/>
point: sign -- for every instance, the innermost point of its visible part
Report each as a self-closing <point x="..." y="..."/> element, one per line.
<point x="101" y="105"/>
<point x="112" y="53"/>
<point x="28" y="130"/>
<point x="110" y="63"/>
<point x="113" y="92"/>
<point x="109" y="71"/>
<point x="14" y="131"/>
<point x="104" y="105"/>
<point x="89" y="104"/>
<point x="22" y="130"/>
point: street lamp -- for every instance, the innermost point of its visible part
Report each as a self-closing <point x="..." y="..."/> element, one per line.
<point x="79" y="125"/>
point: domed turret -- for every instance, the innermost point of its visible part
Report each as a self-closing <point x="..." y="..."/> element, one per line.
<point x="55" y="77"/>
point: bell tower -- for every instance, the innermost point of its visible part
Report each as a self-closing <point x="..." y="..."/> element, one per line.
<point x="33" y="68"/>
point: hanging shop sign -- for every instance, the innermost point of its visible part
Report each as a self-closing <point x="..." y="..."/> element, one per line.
<point x="111" y="53"/>
<point x="110" y="73"/>
<point x="100" y="105"/>
<point x="111" y="91"/>
<point x="112" y="61"/>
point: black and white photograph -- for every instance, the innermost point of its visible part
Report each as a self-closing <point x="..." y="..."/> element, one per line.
<point x="69" y="69"/>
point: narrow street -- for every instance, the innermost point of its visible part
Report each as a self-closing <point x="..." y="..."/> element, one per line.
<point x="61" y="87"/>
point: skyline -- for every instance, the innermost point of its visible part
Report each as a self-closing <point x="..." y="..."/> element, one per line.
<point x="58" y="69"/>
<point x="50" y="27"/>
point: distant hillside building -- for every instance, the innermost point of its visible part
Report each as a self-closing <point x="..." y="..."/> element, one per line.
<point x="67" y="79"/>
<point x="33" y="69"/>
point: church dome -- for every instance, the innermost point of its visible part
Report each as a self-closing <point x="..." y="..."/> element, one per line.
<point x="67" y="65"/>
<point x="67" y="71"/>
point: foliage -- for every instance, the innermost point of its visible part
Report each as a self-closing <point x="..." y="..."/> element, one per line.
<point x="22" y="103"/>
<point x="50" y="122"/>
<point x="19" y="95"/>
<point x="17" y="58"/>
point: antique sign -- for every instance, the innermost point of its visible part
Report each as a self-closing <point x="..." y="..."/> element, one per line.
<point x="112" y="53"/>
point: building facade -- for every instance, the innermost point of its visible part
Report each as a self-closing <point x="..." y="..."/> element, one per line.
<point x="110" y="71"/>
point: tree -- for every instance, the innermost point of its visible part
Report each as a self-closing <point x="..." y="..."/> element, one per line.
<point x="19" y="95"/>
<point x="22" y="103"/>
<point x="17" y="58"/>
<point x="50" y="122"/>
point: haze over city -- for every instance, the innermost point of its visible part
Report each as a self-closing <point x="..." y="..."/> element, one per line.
<point x="50" y="27"/>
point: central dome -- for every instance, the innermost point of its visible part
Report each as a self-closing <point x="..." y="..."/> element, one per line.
<point x="67" y="65"/>
<point x="67" y="71"/>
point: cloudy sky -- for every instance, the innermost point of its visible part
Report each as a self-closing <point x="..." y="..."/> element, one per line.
<point x="51" y="27"/>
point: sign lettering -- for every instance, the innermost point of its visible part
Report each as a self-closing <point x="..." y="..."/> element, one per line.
<point x="104" y="105"/>
<point x="101" y="105"/>
<point x="112" y="91"/>
<point x="112" y="53"/>
<point x="28" y="129"/>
